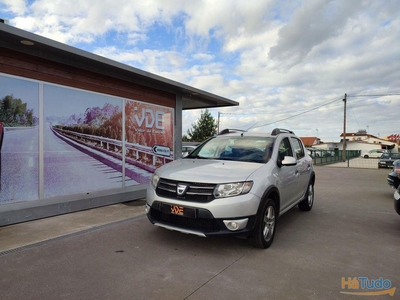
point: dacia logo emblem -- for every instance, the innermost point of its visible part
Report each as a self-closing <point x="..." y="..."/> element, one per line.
<point x="181" y="189"/>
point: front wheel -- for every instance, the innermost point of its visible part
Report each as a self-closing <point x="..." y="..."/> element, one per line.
<point x="265" y="228"/>
<point x="307" y="203"/>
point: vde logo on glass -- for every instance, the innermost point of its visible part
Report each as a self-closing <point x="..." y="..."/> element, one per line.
<point x="150" y="117"/>
<point x="363" y="286"/>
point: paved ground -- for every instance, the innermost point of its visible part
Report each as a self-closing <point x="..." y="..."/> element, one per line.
<point x="352" y="231"/>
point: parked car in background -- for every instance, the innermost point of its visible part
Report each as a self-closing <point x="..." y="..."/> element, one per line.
<point x="315" y="152"/>
<point x="187" y="149"/>
<point x="387" y="159"/>
<point x="376" y="153"/>
<point x="393" y="177"/>
<point x="235" y="183"/>
<point x="311" y="152"/>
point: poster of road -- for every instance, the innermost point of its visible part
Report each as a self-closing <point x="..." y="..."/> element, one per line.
<point x="86" y="147"/>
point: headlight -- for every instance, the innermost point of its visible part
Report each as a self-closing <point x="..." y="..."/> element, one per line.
<point x="154" y="180"/>
<point x="232" y="189"/>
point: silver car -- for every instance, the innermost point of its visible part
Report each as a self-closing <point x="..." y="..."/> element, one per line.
<point x="235" y="183"/>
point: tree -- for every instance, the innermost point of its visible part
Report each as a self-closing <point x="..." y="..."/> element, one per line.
<point x="185" y="138"/>
<point x="204" y="128"/>
<point x="14" y="112"/>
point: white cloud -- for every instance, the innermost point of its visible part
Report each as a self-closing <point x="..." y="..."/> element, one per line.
<point x="15" y="7"/>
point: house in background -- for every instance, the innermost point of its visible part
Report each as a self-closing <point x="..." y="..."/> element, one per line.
<point x="394" y="138"/>
<point x="310" y="141"/>
<point x="363" y="141"/>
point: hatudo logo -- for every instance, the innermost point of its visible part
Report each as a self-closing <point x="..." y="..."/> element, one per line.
<point x="363" y="286"/>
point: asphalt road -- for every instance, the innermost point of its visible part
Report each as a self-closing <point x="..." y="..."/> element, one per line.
<point x="352" y="231"/>
<point x="68" y="170"/>
<point x="19" y="165"/>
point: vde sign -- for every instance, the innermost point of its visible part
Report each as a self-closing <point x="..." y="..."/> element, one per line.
<point x="150" y="118"/>
<point x="161" y="150"/>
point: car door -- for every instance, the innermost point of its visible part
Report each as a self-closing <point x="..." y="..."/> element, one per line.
<point x="303" y="166"/>
<point x="287" y="176"/>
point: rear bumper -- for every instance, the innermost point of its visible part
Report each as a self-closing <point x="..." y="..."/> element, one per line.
<point x="386" y="165"/>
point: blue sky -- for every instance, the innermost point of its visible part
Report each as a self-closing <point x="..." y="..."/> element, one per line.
<point x="288" y="63"/>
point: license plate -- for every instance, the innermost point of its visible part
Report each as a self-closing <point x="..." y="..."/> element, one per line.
<point x="178" y="210"/>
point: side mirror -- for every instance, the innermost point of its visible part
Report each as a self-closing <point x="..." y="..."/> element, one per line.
<point x="289" y="161"/>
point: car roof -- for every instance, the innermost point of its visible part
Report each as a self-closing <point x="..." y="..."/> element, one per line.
<point x="238" y="132"/>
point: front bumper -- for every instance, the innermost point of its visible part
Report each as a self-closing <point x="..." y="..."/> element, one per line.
<point x="223" y="216"/>
<point x="397" y="201"/>
<point x="201" y="222"/>
<point x="393" y="180"/>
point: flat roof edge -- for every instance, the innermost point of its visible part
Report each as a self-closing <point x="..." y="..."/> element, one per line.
<point x="58" y="46"/>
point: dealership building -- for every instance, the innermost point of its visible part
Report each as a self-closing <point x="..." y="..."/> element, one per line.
<point x="80" y="130"/>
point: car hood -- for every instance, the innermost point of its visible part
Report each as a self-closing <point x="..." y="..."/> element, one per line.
<point x="207" y="170"/>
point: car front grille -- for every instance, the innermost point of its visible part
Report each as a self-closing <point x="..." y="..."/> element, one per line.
<point x="195" y="192"/>
<point x="199" y="224"/>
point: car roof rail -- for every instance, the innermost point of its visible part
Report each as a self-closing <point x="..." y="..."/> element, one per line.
<point x="277" y="131"/>
<point x="230" y="130"/>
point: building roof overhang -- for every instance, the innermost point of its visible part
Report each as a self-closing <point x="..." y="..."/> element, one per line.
<point x="192" y="98"/>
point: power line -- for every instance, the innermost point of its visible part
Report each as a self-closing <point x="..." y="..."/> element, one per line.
<point x="348" y="96"/>
<point x="374" y="95"/>
<point x="315" y="108"/>
<point x="279" y="112"/>
<point x="302" y="113"/>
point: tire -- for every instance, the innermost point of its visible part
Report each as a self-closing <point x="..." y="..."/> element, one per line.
<point x="366" y="156"/>
<point x="307" y="203"/>
<point x="265" y="226"/>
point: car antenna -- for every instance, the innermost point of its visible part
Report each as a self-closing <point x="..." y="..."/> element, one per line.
<point x="243" y="131"/>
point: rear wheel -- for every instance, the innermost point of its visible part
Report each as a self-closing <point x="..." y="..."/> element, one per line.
<point x="307" y="203"/>
<point x="265" y="228"/>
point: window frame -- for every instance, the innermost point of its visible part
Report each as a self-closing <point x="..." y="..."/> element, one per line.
<point x="298" y="146"/>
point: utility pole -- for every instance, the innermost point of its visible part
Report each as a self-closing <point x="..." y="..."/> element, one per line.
<point x="218" y="123"/>
<point x="344" y="129"/>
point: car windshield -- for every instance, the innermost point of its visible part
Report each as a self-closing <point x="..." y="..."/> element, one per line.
<point x="385" y="156"/>
<point x="250" y="149"/>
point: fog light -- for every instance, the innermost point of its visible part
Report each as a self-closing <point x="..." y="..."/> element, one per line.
<point x="234" y="225"/>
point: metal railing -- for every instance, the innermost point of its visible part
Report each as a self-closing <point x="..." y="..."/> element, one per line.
<point x="135" y="154"/>
<point x="325" y="157"/>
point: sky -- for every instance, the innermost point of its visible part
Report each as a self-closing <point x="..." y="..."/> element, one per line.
<point x="289" y="64"/>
